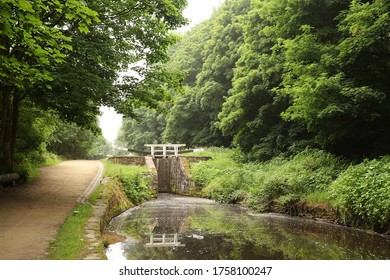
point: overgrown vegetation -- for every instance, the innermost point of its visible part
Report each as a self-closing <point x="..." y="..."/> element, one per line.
<point x="362" y="194"/>
<point x="358" y="194"/>
<point x="135" y="180"/>
<point x="26" y="165"/>
<point x="281" y="82"/>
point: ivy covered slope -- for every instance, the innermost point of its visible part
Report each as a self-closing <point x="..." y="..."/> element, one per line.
<point x="63" y="60"/>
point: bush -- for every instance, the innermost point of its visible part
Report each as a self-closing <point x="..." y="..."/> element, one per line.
<point x="307" y="172"/>
<point x="26" y="169"/>
<point x="362" y="194"/>
<point x="136" y="187"/>
<point x="262" y="185"/>
<point x="222" y="179"/>
<point x="134" y="179"/>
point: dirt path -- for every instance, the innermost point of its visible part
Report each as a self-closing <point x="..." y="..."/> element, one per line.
<point x="31" y="215"/>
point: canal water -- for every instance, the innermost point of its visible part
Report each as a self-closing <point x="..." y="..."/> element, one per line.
<point x="184" y="228"/>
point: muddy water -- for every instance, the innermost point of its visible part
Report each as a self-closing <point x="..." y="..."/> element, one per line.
<point x="175" y="227"/>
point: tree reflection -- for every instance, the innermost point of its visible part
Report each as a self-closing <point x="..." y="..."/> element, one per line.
<point x="180" y="229"/>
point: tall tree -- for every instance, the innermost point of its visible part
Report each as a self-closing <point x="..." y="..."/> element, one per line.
<point x="33" y="39"/>
<point x="251" y="113"/>
<point x="147" y="127"/>
<point x="337" y="78"/>
<point x="222" y="36"/>
<point x="74" y="77"/>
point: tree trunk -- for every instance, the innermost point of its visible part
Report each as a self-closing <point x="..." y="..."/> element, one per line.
<point x="8" y="126"/>
<point x="15" y="123"/>
<point x="5" y="101"/>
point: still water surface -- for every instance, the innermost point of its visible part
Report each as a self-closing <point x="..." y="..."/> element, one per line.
<point x="182" y="228"/>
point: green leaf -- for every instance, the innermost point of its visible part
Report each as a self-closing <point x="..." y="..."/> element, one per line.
<point x="25" y="5"/>
<point x="83" y="28"/>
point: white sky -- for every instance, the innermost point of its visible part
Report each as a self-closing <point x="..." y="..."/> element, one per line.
<point x="196" y="11"/>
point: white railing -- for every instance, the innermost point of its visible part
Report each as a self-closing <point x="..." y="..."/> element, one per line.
<point x="164" y="150"/>
<point x="163" y="240"/>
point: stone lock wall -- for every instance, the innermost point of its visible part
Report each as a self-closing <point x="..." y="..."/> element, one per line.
<point x="170" y="175"/>
<point x="173" y="175"/>
<point x="128" y="160"/>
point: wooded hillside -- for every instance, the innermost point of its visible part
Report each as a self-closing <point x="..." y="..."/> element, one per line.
<point x="273" y="77"/>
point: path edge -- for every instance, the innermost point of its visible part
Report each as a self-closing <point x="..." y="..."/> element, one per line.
<point x="92" y="185"/>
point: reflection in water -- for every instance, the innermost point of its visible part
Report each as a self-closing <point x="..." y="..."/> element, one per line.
<point x="175" y="227"/>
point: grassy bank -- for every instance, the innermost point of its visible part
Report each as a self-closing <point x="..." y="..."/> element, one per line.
<point x="313" y="183"/>
<point x="135" y="180"/>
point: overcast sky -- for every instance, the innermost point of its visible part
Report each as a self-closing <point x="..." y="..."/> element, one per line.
<point x="196" y="11"/>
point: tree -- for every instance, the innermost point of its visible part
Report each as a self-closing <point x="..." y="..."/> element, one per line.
<point x="32" y="41"/>
<point x="67" y="57"/>
<point x="72" y="141"/>
<point x="146" y="128"/>
<point x="186" y="120"/>
<point x="210" y="77"/>
<point x="336" y="77"/>
<point x="251" y="113"/>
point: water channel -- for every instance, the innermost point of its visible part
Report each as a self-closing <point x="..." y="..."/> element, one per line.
<point x="184" y="228"/>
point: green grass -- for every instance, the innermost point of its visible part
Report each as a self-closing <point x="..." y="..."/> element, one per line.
<point x="51" y="159"/>
<point x="96" y="194"/>
<point x="135" y="180"/>
<point x="113" y="170"/>
<point x="69" y="242"/>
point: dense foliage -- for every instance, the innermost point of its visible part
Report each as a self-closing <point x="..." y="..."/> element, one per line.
<point x="134" y="180"/>
<point x="275" y="77"/>
<point x="312" y="182"/>
<point x="66" y="57"/>
<point x="362" y="194"/>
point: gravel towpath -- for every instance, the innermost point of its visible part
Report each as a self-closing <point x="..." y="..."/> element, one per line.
<point x="31" y="215"/>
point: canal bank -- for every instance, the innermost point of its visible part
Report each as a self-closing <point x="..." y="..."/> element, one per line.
<point x="311" y="211"/>
<point x="330" y="241"/>
<point x="179" y="227"/>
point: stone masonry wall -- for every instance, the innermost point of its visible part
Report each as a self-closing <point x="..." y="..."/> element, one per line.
<point x="128" y="160"/>
<point x="169" y="174"/>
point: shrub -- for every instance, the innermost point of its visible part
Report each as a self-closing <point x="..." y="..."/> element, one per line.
<point x="280" y="181"/>
<point x="229" y="186"/>
<point x="26" y="169"/>
<point x="136" y="187"/>
<point x="134" y="179"/>
<point x="308" y="171"/>
<point x="362" y="194"/>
